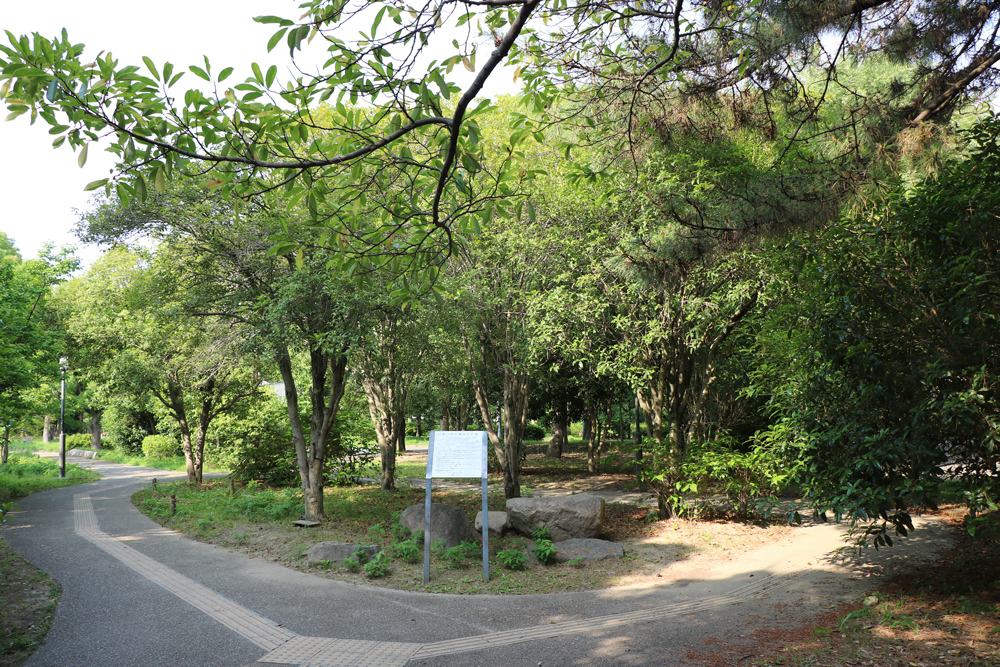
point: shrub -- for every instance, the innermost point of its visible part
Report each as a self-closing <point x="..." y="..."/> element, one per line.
<point x="351" y="448"/>
<point x="125" y="428"/>
<point x="160" y="447"/>
<point x="254" y="442"/>
<point x="78" y="441"/>
<point x="456" y="557"/>
<point x="533" y="432"/>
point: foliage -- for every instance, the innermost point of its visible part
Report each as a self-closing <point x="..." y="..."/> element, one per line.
<point x="78" y="441"/>
<point x="512" y="559"/>
<point x="533" y="432"/>
<point x="160" y="447"/>
<point x="408" y="550"/>
<point x="743" y="475"/>
<point x="889" y="372"/>
<point x="378" y="567"/>
<point x="125" y="427"/>
<point x="24" y="474"/>
<point x="544" y="550"/>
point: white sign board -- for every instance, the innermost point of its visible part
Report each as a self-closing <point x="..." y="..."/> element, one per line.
<point x="457" y="454"/>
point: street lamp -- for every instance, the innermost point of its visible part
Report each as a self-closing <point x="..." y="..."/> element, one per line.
<point x="63" y="365"/>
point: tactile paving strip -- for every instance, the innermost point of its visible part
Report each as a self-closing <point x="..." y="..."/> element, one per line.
<point x="261" y="631"/>
<point x="321" y="652"/>
<point x="287" y="648"/>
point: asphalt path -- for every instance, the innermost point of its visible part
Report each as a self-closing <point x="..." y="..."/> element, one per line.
<point x="130" y="596"/>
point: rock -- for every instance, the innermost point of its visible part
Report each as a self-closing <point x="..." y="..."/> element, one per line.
<point x="337" y="552"/>
<point x="448" y="523"/>
<point x="587" y="549"/>
<point x="565" y="517"/>
<point x="497" y="523"/>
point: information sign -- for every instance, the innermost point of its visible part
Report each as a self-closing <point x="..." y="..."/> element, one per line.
<point x="456" y="454"/>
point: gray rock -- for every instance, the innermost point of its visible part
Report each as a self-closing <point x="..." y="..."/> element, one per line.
<point x="585" y="549"/>
<point x="448" y="522"/>
<point x="497" y="523"/>
<point x="337" y="552"/>
<point x="565" y="517"/>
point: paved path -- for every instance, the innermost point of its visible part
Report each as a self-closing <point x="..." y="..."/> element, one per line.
<point x="135" y="593"/>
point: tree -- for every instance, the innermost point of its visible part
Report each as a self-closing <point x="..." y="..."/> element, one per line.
<point x="890" y="370"/>
<point x="395" y="168"/>
<point x="286" y="304"/>
<point x="29" y="345"/>
<point x="131" y="306"/>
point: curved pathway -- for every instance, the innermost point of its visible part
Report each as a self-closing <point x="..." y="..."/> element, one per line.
<point x="135" y="593"/>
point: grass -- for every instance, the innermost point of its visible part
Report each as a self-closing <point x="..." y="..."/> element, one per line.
<point x="256" y="520"/>
<point x="28" y="596"/>
<point x="170" y="463"/>
<point x="25" y="473"/>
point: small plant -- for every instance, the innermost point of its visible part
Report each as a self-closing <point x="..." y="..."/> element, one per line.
<point x="377" y="530"/>
<point x="409" y="551"/>
<point x="5" y="508"/>
<point x="439" y="547"/>
<point x="399" y="531"/>
<point x="417" y="537"/>
<point x="455" y="557"/>
<point x="354" y="562"/>
<point x="512" y="559"/>
<point x="378" y="567"/>
<point x="159" y="447"/>
<point x="576" y="562"/>
<point x="542" y="533"/>
<point x="545" y="551"/>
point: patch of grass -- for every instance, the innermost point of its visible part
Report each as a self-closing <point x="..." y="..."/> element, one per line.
<point x="25" y="473"/>
<point x="256" y="520"/>
<point x="170" y="463"/>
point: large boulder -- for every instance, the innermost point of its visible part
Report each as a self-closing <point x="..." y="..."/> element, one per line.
<point x="564" y="516"/>
<point x="336" y="552"/>
<point x="497" y="523"/>
<point x="586" y="549"/>
<point x="448" y="522"/>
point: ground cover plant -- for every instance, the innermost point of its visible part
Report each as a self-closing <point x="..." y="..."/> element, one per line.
<point x="24" y="473"/>
<point x="256" y="519"/>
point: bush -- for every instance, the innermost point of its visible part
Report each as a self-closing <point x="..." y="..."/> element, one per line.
<point x="125" y="428"/>
<point x="533" y="432"/>
<point x="160" y="447"/>
<point x="254" y="442"/>
<point x="351" y="447"/>
<point x="378" y="567"/>
<point x="78" y="441"/>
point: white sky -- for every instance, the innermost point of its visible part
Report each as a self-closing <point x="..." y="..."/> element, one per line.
<point x="40" y="186"/>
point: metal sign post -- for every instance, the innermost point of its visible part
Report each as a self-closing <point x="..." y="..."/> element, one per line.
<point x="456" y="454"/>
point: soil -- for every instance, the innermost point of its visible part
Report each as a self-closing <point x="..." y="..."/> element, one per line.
<point x="27" y="604"/>
<point x="655" y="551"/>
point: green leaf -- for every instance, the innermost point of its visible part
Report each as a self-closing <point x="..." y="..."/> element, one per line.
<point x="93" y="185"/>
<point x="200" y="72"/>
<point x="272" y="71"/>
<point x="82" y="159"/>
<point x="50" y="94"/>
<point x="159" y="180"/>
<point x="140" y="187"/>
<point x="224" y="74"/>
<point x="151" y="67"/>
<point x="275" y="38"/>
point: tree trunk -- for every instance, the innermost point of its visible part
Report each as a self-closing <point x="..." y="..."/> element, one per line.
<point x="95" y="428"/>
<point x="446" y="417"/>
<point x="560" y="417"/>
<point x="47" y="429"/>
<point x="310" y="449"/>
<point x="515" y="399"/>
<point x="5" y="447"/>
<point x="586" y="428"/>
<point x="420" y="427"/>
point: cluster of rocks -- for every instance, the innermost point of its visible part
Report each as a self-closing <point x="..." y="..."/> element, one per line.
<point x="574" y="522"/>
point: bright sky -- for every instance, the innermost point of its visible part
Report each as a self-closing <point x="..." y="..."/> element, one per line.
<point x="40" y="186"/>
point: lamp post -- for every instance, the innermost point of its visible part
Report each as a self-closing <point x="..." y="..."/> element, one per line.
<point x="63" y="365"/>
